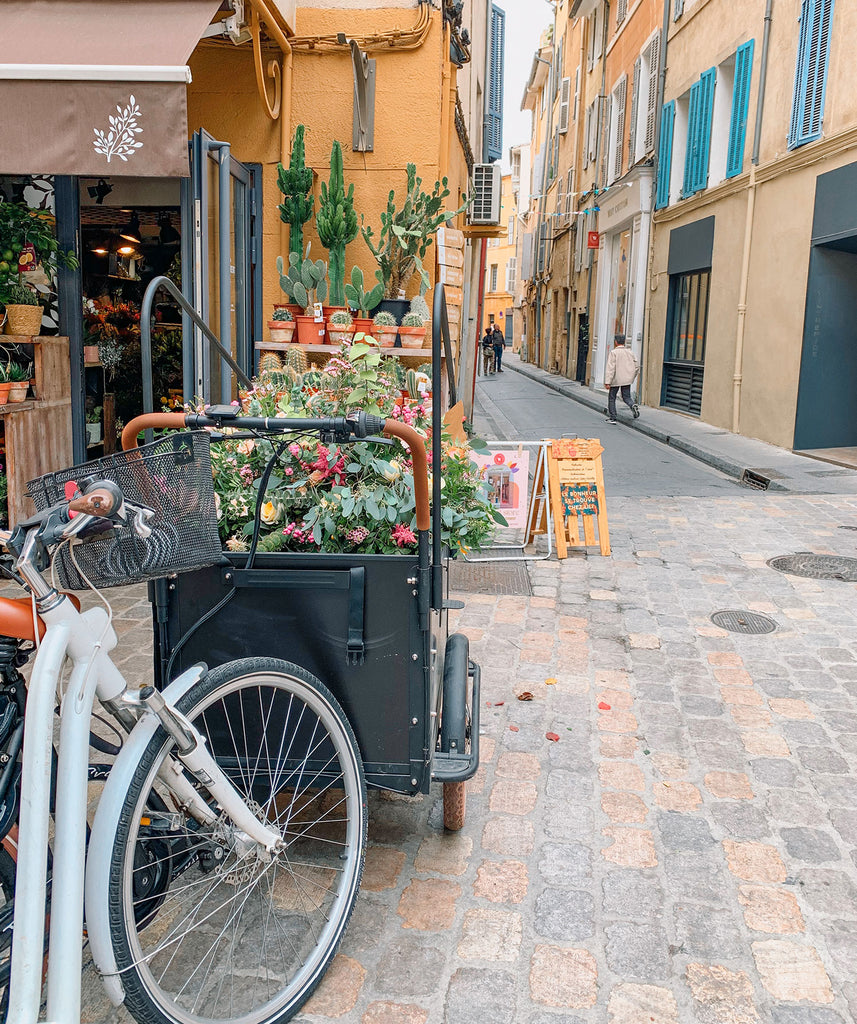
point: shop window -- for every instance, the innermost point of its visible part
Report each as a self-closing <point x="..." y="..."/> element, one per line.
<point x="684" y="355"/>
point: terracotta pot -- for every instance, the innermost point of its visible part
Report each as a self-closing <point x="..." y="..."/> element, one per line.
<point x="309" y="332"/>
<point x="292" y="307"/>
<point x="90" y="354"/>
<point x="4" y="393"/>
<point x="413" y="337"/>
<point x="364" y="325"/>
<point x="281" y="330"/>
<point x="339" y="335"/>
<point x="24" y="320"/>
<point x="18" y="390"/>
<point x="385" y="336"/>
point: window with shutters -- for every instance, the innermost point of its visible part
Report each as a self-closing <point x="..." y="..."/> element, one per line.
<point x="576" y="113"/>
<point x="678" y="9"/>
<point x="512" y="275"/>
<point x="516" y="167"/>
<point x="492" y="286"/>
<point x="604" y="128"/>
<point x="587" y="131"/>
<point x="701" y="105"/>
<point x="599" y="32"/>
<point x="560" y="201"/>
<point x="633" y="133"/>
<point x="590" y="43"/>
<point x="510" y="232"/>
<point x="617" y="130"/>
<point x="493" y="129"/>
<point x="621" y="11"/>
<point x="816" y="19"/>
<point x="527" y="256"/>
<point x="679" y="146"/>
<point x="564" y="105"/>
<point x="543" y="242"/>
<point x="649" y="91"/>
<point x="665" y="150"/>
<point x="569" y="194"/>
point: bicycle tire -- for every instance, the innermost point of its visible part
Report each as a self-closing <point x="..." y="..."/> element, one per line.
<point x="176" y="967"/>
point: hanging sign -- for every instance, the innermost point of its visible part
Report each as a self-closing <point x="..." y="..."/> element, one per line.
<point x="593" y="240"/>
<point x="578" y="502"/>
<point x="451" y="276"/>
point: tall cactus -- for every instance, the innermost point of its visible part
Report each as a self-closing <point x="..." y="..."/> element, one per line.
<point x="295" y="184"/>
<point x="336" y="223"/>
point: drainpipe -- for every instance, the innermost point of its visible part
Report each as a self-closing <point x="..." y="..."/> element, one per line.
<point x="598" y="139"/>
<point x="738" y="372"/>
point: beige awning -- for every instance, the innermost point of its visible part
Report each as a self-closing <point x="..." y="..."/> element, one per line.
<point x="97" y="87"/>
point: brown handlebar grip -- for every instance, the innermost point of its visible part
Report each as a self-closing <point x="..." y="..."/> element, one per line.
<point x="149" y="421"/>
<point x="99" y="502"/>
<point x="416" y="444"/>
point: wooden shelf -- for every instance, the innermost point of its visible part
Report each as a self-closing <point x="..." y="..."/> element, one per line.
<point x="12" y="407"/>
<point x="421" y="355"/>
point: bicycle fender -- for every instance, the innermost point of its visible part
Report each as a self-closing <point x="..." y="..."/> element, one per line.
<point x="100" y="851"/>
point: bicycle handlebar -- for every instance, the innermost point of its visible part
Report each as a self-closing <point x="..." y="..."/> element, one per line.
<point x="362" y="425"/>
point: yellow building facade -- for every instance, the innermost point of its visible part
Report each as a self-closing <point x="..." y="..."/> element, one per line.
<point x="501" y="271"/>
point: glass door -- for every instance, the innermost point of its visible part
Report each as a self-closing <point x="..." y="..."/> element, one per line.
<point x="224" y="286"/>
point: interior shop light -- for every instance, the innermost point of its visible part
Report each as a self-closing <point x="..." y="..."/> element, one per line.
<point x="131" y="231"/>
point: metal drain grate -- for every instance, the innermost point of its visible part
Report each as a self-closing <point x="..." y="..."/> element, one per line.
<point x="816" y="567"/>
<point x="743" y="622"/>
<point x="490" y="578"/>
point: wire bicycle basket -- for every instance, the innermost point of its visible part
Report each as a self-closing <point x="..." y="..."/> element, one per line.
<point x="172" y="477"/>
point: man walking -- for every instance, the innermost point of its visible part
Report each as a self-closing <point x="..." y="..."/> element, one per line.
<point x="621" y="372"/>
<point x="487" y="352"/>
<point x="499" y="346"/>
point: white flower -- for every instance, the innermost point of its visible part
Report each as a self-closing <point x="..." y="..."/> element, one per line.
<point x="393" y="472"/>
<point x="270" y="513"/>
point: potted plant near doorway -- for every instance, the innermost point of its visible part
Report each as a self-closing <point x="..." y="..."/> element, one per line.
<point x="23" y="312"/>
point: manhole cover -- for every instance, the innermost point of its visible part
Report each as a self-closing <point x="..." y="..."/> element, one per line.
<point x="498" y="577"/>
<point x="743" y="622"/>
<point x="816" y="567"/>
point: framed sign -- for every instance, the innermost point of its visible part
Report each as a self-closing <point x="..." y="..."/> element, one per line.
<point x="506" y="472"/>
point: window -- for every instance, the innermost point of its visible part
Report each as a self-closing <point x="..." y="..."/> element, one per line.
<point x="510" y="232"/>
<point x="616" y="136"/>
<point x="699" y="133"/>
<point x="569" y="194"/>
<point x="564" y="104"/>
<point x="621" y="11"/>
<point x="516" y="166"/>
<point x="591" y="131"/>
<point x="684" y="355"/>
<point x="649" y="89"/>
<point x="816" y="18"/>
<point x="576" y="94"/>
<point x="678" y="9"/>
<point x="665" y="149"/>
<point x="590" y="49"/>
<point x="493" y="280"/>
<point x="635" y="112"/>
<point x="599" y="32"/>
<point x="512" y="275"/>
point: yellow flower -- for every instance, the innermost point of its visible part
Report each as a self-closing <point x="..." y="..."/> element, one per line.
<point x="270" y="514"/>
<point x="393" y="472"/>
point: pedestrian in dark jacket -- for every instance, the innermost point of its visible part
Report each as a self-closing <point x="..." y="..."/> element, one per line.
<point x="499" y="344"/>
<point x="487" y="352"/>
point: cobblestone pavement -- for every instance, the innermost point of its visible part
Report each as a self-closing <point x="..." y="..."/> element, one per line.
<point x="666" y="832"/>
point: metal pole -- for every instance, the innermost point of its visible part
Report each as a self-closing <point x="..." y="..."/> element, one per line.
<point x="224" y="207"/>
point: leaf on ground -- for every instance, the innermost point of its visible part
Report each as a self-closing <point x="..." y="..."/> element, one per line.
<point x="525" y="695"/>
<point x="550" y="682"/>
<point x="514" y="728"/>
<point x="552" y="736"/>
<point x="488" y="704"/>
<point x="603" y="707"/>
<point x="499" y="703"/>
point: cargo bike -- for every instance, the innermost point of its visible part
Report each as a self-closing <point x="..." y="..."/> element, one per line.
<point x="228" y="843"/>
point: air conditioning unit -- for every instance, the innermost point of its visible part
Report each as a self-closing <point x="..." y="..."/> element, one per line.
<point x="487" y="191"/>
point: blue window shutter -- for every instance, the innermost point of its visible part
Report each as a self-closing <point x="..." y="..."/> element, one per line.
<point x="816" y="20"/>
<point x="740" y="103"/>
<point x="493" y="140"/>
<point x="706" y="109"/>
<point x="665" y="154"/>
<point x="690" y="159"/>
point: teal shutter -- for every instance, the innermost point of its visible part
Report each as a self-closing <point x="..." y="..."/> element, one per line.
<point x="740" y="103"/>
<point x="665" y="154"/>
<point x="699" y="133"/>
<point x="493" y="133"/>
<point x="816" y="20"/>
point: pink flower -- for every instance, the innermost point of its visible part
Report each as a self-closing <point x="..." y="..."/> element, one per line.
<point x="289" y="471"/>
<point x="357" y="535"/>
<point x="403" y="535"/>
<point x="295" y="449"/>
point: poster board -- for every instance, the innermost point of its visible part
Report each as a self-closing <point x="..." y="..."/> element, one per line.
<point x="506" y="472"/>
<point x="578" y="501"/>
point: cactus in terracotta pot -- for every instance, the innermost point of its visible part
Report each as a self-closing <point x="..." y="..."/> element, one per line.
<point x="336" y="223"/>
<point x="357" y="297"/>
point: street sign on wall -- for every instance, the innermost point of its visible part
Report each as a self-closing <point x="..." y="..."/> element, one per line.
<point x="592" y="239"/>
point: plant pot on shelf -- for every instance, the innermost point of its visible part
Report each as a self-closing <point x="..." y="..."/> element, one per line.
<point x="339" y="335"/>
<point x="398" y="307"/>
<point x="413" y="337"/>
<point x="292" y="307"/>
<point x="18" y="390"/>
<point x="26" y="320"/>
<point x="4" y="392"/>
<point x="364" y="325"/>
<point x="309" y="331"/>
<point x="385" y="336"/>
<point x="93" y="433"/>
<point x="90" y="354"/>
<point x="282" y="331"/>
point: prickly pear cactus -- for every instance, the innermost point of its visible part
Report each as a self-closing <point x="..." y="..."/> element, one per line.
<point x="336" y="223"/>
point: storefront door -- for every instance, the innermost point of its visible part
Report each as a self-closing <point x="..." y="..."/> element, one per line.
<point x="221" y="202"/>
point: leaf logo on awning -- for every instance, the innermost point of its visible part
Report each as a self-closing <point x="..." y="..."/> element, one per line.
<point x="120" y="138"/>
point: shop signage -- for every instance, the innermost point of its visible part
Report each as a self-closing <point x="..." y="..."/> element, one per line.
<point x="452" y="275"/>
<point x="592" y="239"/>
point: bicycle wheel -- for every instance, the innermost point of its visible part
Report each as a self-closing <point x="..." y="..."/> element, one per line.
<point x="204" y="926"/>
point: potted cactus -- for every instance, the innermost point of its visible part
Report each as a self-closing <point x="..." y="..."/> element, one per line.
<point x="282" y="326"/>
<point x="413" y="331"/>
<point x="295" y="184"/>
<point x="362" y="301"/>
<point x="385" y="328"/>
<point x="309" y="293"/>
<point x="18" y="377"/>
<point x="340" y="327"/>
<point x="336" y="223"/>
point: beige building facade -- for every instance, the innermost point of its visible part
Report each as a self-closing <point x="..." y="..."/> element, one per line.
<point x="501" y="272"/>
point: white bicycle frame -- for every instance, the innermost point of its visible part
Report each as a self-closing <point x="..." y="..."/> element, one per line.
<point x="86" y="639"/>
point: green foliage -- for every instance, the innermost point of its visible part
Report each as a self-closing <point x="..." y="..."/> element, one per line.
<point x="20" y="225"/>
<point x="358" y="298"/>
<point x="384" y="319"/>
<point x="305" y="282"/>
<point x="282" y="316"/>
<point x="406" y="233"/>
<point x="16" y="373"/>
<point x="336" y="223"/>
<point x="19" y="295"/>
<point x="295" y="184"/>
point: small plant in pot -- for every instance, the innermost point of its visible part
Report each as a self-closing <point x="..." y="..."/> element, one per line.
<point x="340" y="327"/>
<point x="23" y="312"/>
<point x="309" y="292"/>
<point x="385" y="328"/>
<point x="282" y="326"/>
<point x="93" y="425"/>
<point x="413" y="330"/>
<point x="18" y="377"/>
<point x="361" y="300"/>
<point x="5" y="385"/>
